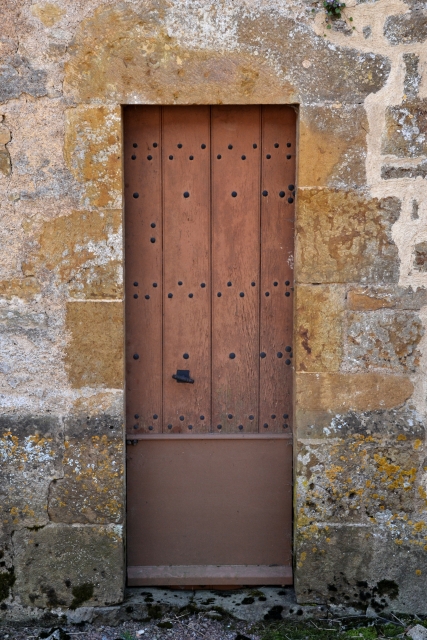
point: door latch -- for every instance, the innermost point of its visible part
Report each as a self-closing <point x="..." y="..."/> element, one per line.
<point x="183" y="375"/>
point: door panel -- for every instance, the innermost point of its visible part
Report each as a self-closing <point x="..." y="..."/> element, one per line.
<point x="143" y="197"/>
<point x="276" y="299"/>
<point x="209" y="199"/>
<point x="186" y="257"/>
<point x="188" y="520"/>
<point x="235" y="267"/>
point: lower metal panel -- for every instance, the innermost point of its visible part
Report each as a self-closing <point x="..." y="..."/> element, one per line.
<point x="210" y="511"/>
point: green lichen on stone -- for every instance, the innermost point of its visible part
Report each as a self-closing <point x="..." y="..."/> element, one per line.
<point x="81" y="594"/>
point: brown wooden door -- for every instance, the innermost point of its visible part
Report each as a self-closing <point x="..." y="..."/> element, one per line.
<point x="209" y="197"/>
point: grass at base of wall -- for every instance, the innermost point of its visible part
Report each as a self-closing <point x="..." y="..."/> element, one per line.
<point x="357" y="628"/>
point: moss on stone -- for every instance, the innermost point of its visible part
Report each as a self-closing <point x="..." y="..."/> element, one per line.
<point x="81" y="593"/>
<point x="7" y="579"/>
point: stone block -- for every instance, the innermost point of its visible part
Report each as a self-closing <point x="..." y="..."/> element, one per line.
<point x="319" y="312"/>
<point x="368" y="464"/>
<point x="69" y="566"/>
<point x="386" y="297"/>
<point x="383" y="339"/>
<point x="31" y="449"/>
<point x="128" y="55"/>
<point x="392" y="172"/>
<point x="18" y="76"/>
<point x="94" y="356"/>
<point x="82" y="250"/>
<point x="420" y="256"/>
<point x="407" y="28"/>
<point x="332" y="141"/>
<point x="93" y="154"/>
<point x="377" y="567"/>
<point x="5" y="163"/>
<point x="342" y="236"/>
<point x="92" y="489"/>
<point x="405" y="133"/>
<point x="341" y="392"/>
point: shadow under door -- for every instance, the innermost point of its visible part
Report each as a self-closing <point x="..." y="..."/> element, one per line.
<point x="209" y="197"/>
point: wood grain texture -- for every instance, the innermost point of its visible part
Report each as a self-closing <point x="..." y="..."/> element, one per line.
<point x="235" y="266"/>
<point x="142" y="162"/>
<point x="277" y="260"/>
<point x="186" y="256"/>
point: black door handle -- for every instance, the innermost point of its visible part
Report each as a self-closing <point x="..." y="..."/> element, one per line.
<point x="183" y="375"/>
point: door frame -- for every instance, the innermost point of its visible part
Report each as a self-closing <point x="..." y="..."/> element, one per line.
<point x="292" y="435"/>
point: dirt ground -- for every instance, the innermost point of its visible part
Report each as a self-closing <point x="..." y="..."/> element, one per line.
<point x="205" y="626"/>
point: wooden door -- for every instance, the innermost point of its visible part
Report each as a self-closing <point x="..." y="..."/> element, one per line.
<point x="209" y="197"/>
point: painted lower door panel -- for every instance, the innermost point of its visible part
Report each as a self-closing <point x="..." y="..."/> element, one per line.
<point x="210" y="510"/>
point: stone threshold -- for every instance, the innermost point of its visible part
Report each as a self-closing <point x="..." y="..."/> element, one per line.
<point x="251" y="604"/>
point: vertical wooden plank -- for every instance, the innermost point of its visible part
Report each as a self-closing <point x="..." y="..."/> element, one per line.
<point x="187" y="326"/>
<point x="235" y="267"/>
<point x="277" y="246"/>
<point x="143" y="287"/>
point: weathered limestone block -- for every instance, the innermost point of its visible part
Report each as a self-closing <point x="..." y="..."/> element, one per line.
<point x="93" y="154"/>
<point x="420" y="256"/>
<point x="405" y="133"/>
<point x="319" y="327"/>
<point x="128" y="56"/>
<point x="383" y="339"/>
<point x="68" y="566"/>
<point x="5" y="162"/>
<point x="381" y="567"/>
<point x="408" y="28"/>
<point x="17" y="76"/>
<point x="412" y="76"/>
<point x="31" y="449"/>
<point x="369" y="464"/>
<point x="91" y="490"/>
<point x="345" y="237"/>
<point x="386" y="297"/>
<point x="94" y="355"/>
<point x="341" y="392"/>
<point x="82" y="250"/>
<point x="332" y="141"/>
<point x="392" y="172"/>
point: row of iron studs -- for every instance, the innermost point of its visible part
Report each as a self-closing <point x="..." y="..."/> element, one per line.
<point x="203" y="285"/>
<point x="219" y="427"/>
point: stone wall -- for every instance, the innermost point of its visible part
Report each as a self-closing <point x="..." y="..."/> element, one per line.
<point x="360" y="269"/>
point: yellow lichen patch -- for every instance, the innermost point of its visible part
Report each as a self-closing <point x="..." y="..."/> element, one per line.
<point x="302" y="559"/>
<point x="332" y="472"/>
<point x="394" y="475"/>
<point x="92" y="483"/>
<point x="417" y="444"/>
<point x="418" y="572"/>
<point x="401" y="437"/>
